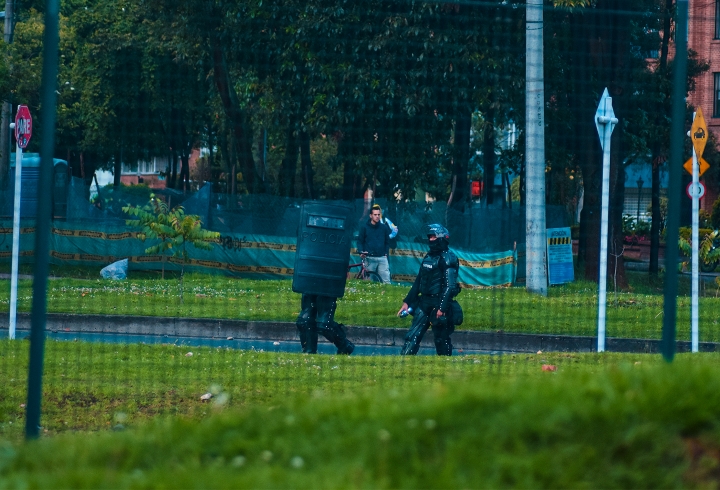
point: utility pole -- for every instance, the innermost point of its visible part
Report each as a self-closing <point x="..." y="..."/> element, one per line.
<point x="677" y="140"/>
<point x="535" y="233"/>
<point x="7" y="105"/>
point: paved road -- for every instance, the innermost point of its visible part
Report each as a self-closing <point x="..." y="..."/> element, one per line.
<point x="243" y="344"/>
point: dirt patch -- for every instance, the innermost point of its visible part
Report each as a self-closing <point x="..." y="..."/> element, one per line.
<point x="77" y="399"/>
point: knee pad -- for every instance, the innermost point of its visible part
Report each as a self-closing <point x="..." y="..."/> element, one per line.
<point x="414" y="336"/>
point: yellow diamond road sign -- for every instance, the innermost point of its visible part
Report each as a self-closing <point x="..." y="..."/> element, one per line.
<point x="702" y="163"/>
<point x="698" y="133"/>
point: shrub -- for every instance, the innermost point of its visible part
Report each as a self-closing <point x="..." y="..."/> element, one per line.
<point x="715" y="217"/>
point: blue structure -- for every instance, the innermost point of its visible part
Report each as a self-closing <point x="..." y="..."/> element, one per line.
<point x="29" y="185"/>
<point x="638" y="188"/>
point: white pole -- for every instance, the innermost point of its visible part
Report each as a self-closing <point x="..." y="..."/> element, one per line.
<point x="536" y="242"/>
<point x="605" y="119"/>
<point x="695" y="255"/>
<point x="604" y="217"/>
<point x="16" y="241"/>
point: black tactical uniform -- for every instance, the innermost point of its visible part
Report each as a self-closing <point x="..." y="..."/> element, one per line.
<point x="434" y="289"/>
<point x="321" y="261"/>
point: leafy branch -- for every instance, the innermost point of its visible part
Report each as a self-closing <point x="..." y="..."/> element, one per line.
<point x="173" y="228"/>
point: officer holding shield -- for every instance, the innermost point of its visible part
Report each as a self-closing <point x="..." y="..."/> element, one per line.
<point x="321" y="261"/>
<point x="431" y="298"/>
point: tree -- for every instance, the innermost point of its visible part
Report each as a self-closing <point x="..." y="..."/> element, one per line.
<point x="173" y="228"/>
<point x="610" y="42"/>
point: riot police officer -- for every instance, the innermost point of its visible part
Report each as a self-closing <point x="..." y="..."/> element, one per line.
<point x="431" y="298"/>
<point x="321" y="259"/>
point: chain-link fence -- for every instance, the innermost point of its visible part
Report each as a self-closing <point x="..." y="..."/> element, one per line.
<point x="189" y="135"/>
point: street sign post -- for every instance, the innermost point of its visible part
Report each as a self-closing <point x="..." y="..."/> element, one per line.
<point x="605" y="122"/>
<point x="704" y="166"/>
<point x="23" y="133"/>
<point x="23" y="126"/>
<point x="695" y="190"/>
<point x="698" y="135"/>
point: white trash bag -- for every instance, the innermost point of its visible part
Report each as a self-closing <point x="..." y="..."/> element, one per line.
<point x="116" y="270"/>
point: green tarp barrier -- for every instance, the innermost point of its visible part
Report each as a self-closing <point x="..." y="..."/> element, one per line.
<point x="236" y="254"/>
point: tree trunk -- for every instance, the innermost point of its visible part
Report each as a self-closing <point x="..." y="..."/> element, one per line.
<point x="461" y="159"/>
<point x="5" y="140"/>
<point x="506" y="177"/>
<point x="489" y="158"/>
<point x="618" y="27"/>
<point x="657" y="159"/>
<point x="616" y="260"/>
<point x="656" y="218"/>
<point x="587" y="149"/>
<point x="288" y="168"/>
<point x="231" y="173"/>
<point x="185" y="170"/>
<point x="306" y="163"/>
<point x="211" y="154"/>
<point x="233" y="185"/>
<point x="5" y="143"/>
<point x="240" y="125"/>
<point x="172" y="184"/>
<point x="603" y="41"/>
<point x="347" y="157"/>
<point x="117" y="170"/>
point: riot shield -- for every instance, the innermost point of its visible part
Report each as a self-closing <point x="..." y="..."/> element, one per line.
<point x="323" y="249"/>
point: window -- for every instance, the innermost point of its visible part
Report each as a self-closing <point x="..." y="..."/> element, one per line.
<point x="716" y="93"/>
<point x="154" y="166"/>
<point x="717" y="19"/>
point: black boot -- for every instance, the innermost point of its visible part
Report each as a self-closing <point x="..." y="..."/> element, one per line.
<point x="443" y="346"/>
<point x="308" y="338"/>
<point x="344" y="346"/>
<point x="335" y="333"/>
<point x="411" y="347"/>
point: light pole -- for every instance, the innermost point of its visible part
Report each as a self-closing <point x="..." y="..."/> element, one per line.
<point x="639" y="183"/>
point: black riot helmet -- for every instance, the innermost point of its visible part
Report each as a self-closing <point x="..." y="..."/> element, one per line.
<point x="442" y="237"/>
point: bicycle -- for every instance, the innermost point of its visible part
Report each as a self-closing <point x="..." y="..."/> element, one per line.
<point x="364" y="274"/>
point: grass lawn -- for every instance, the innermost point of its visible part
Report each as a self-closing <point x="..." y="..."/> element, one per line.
<point x="568" y="310"/>
<point x="86" y="385"/>
<point x="288" y="420"/>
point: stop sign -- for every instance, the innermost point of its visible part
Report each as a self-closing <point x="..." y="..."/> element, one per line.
<point x="23" y="126"/>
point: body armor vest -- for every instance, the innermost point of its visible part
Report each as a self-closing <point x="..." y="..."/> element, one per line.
<point x="431" y="276"/>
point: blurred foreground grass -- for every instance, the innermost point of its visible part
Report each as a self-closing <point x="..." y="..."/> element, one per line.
<point x="285" y="420"/>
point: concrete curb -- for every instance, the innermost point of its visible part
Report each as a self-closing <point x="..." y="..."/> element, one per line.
<point x="361" y="335"/>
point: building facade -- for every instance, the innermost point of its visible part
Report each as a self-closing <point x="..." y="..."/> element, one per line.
<point x="704" y="38"/>
<point x="153" y="173"/>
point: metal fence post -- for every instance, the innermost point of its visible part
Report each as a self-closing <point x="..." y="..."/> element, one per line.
<point x="677" y="138"/>
<point x="43" y="224"/>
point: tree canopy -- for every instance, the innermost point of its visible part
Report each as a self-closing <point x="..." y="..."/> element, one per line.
<point x="294" y="98"/>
